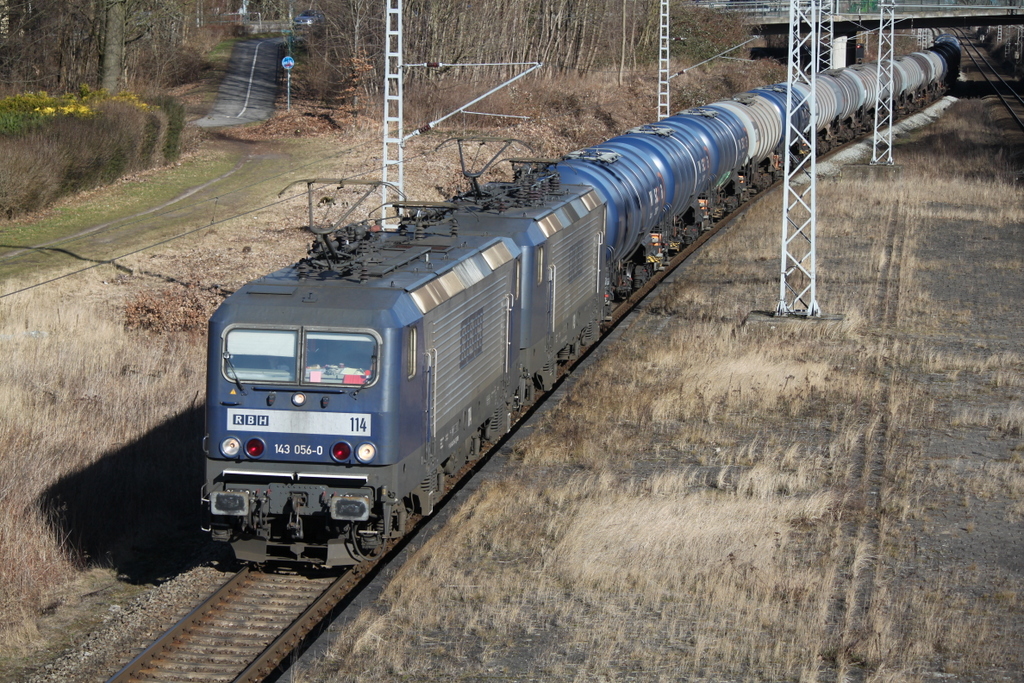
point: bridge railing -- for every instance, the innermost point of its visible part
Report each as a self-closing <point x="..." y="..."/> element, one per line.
<point x="777" y="7"/>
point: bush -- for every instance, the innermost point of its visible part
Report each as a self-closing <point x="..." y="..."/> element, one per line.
<point x="57" y="146"/>
<point x="172" y="310"/>
<point x="29" y="177"/>
<point x="175" y="112"/>
<point x="15" y="122"/>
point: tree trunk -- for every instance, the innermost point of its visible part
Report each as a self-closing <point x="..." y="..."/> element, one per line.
<point x="113" y="46"/>
<point x="622" y="50"/>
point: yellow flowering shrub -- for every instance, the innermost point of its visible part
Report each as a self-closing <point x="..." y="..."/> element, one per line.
<point x="26" y="111"/>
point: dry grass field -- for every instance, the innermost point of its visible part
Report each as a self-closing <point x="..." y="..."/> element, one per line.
<point x="762" y="502"/>
<point x="714" y="501"/>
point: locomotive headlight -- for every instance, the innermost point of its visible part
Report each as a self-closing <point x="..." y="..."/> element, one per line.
<point x="298" y="399"/>
<point x="230" y="446"/>
<point x="232" y="503"/>
<point x="365" y="452"/>
<point x="350" y="508"/>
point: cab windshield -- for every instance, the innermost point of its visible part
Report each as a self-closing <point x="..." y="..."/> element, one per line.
<point x="339" y="358"/>
<point x="333" y="358"/>
<point x="261" y="355"/>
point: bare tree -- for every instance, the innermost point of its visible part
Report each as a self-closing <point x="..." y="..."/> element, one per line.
<point x="113" y="45"/>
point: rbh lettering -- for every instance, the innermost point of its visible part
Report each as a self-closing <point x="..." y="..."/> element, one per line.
<point x="250" y="420"/>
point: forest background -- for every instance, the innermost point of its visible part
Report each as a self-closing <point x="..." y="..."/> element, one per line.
<point x="60" y="45"/>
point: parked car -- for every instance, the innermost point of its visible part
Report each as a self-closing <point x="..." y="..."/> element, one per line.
<point x="310" y="17"/>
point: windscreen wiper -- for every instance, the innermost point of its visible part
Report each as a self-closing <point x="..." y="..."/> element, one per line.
<point x="234" y="374"/>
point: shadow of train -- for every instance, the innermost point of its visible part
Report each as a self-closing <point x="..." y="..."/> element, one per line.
<point x="137" y="508"/>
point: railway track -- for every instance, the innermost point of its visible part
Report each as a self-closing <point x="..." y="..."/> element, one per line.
<point x="242" y="631"/>
<point x="1008" y="95"/>
<point x="249" y="626"/>
<point x="245" y="629"/>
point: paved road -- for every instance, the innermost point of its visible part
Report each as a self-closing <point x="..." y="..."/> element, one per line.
<point x="248" y="90"/>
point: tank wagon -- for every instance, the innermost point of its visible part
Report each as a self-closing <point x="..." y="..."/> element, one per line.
<point x="343" y="389"/>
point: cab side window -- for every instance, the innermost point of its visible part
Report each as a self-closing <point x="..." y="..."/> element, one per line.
<point x="411" y="351"/>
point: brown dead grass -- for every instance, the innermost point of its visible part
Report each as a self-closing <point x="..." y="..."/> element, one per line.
<point x="721" y="501"/>
<point x="71" y="375"/>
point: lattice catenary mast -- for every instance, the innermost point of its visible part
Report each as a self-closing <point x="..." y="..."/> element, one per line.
<point x="828" y="33"/>
<point x="798" y="285"/>
<point x="663" y="62"/>
<point x="394" y="130"/>
<point x="394" y="127"/>
<point x="882" y="154"/>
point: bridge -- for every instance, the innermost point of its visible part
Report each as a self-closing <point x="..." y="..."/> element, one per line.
<point x="853" y="16"/>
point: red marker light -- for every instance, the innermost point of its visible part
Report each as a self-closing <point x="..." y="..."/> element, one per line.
<point x="340" y="451"/>
<point x="254" y="448"/>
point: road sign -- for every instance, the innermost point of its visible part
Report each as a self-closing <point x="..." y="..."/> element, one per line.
<point x="287" y="63"/>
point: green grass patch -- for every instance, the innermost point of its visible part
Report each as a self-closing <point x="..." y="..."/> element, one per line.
<point x="221" y="52"/>
<point x="115" y="205"/>
<point x="254" y="184"/>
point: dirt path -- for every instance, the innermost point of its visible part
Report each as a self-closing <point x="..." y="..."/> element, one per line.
<point x="246" y="95"/>
<point x="228" y="180"/>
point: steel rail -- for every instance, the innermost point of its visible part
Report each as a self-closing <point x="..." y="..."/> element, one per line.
<point x="966" y="41"/>
<point x="290" y="639"/>
<point x="134" y="669"/>
<point x="225" y="639"/>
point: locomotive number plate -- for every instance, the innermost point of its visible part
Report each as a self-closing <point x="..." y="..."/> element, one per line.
<point x="298" y="422"/>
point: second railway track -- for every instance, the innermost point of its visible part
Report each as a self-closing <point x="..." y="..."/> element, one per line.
<point x="1007" y="93"/>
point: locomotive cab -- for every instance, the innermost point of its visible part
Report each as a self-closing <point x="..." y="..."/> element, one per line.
<point x="304" y="420"/>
